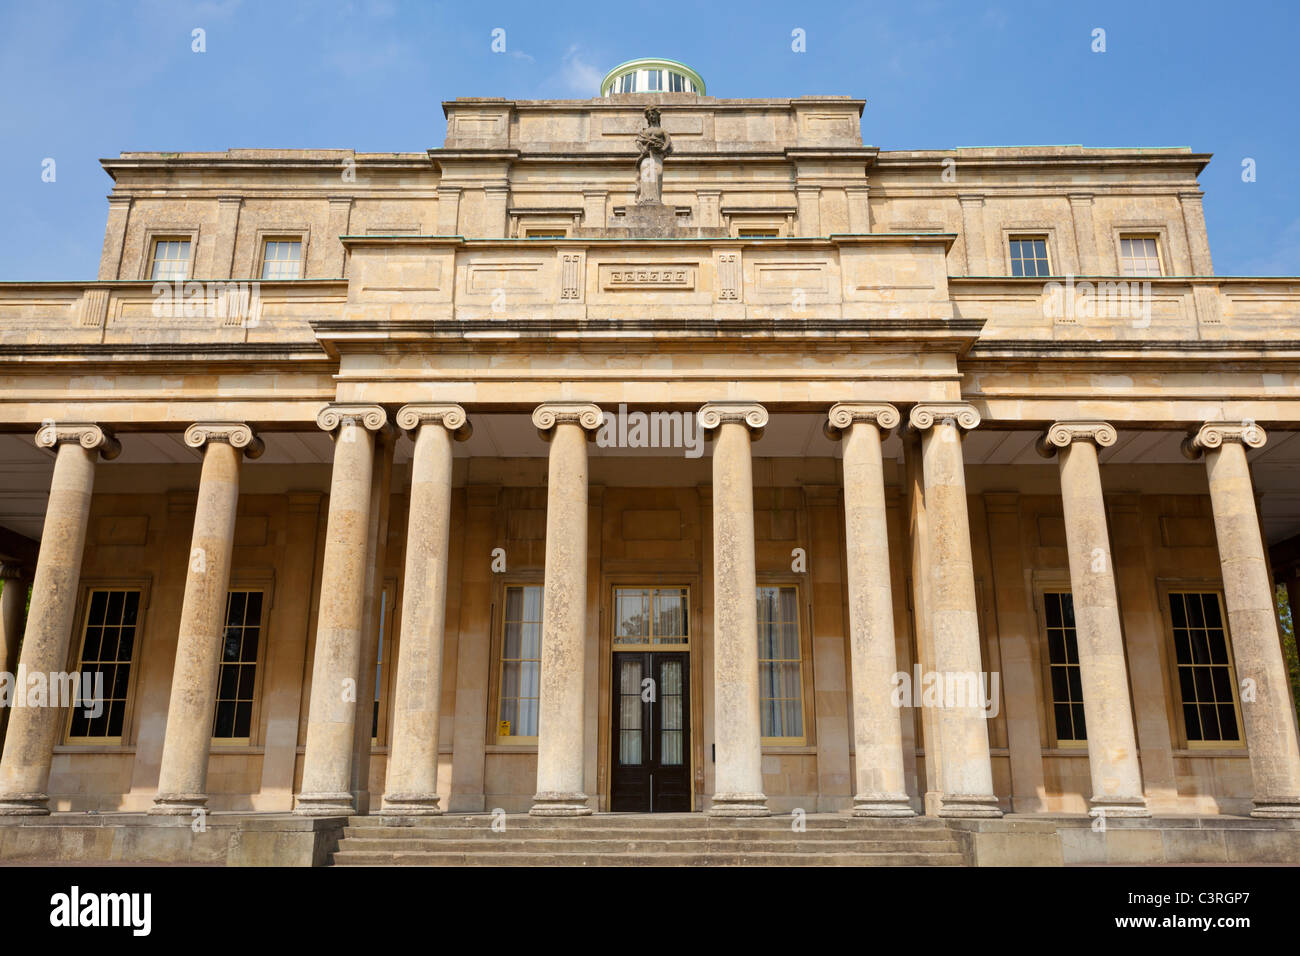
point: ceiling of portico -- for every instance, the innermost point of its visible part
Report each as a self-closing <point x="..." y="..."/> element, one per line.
<point x="25" y="470"/>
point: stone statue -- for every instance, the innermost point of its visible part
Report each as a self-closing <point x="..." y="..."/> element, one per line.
<point x="654" y="144"/>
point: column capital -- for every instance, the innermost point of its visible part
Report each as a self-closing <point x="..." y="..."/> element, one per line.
<point x="14" y="572"/>
<point x="586" y="415"/>
<point x="961" y="414"/>
<point x="236" y="434"/>
<point x="843" y="414"/>
<point x="1212" y="435"/>
<point x="1063" y="434"/>
<point x="451" y="417"/>
<point x="373" y="418"/>
<point x="85" y="434"/>
<point x="751" y="414"/>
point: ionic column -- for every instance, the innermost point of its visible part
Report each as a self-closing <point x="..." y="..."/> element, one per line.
<point x="737" y="725"/>
<point x="1107" y="708"/>
<point x="13" y="608"/>
<point x="33" y="731"/>
<point x="564" y="610"/>
<point x="1256" y="646"/>
<point x="183" y="775"/>
<point x="412" y="785"/>
<point x="877" y="724"/>
<point x="966" y="771"/>
<point x="331" y="720"/>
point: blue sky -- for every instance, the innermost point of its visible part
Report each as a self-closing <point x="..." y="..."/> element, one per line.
<point x="84" y="80"/>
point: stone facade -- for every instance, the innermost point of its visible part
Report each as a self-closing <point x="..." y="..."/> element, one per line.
<point x="499" y="284"/>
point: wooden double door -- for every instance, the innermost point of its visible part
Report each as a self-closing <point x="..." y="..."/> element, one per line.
<point x="651" y="732"/>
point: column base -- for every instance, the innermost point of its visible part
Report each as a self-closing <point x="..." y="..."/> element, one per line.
<point x="324" y="804"/>
<point x="1278" y="808"/>
<point x="178" y="804"/>
<point x="553" y="804"/>
<point x="882" y="805"/>
<point x="411" y="804"/>
<point x="739" y="805"/>
<point x="968" y="805"/>
<point x="24" y="805"/>
<point x="1134" y="807"/>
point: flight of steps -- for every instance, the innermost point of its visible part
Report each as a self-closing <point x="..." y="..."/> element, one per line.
<point x="644" y="840"/>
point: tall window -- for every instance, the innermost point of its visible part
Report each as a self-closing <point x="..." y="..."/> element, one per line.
<point x="171" y="260"/>
<point x="380" y="658"/>
<point x="282" y="259"/>
<point x="654" y="80"/>
<point x="1029" y="256"/>
<point x="651" y="618"/>
<point x="1205" y="674"/>
<point x="107" y="648"/>
<point x="1139" y="256"/>
<point x="234" y="717"/>
<point x="1063" y="659"/>
<point x="780" y="665"/>
<point x="521" y="663"/>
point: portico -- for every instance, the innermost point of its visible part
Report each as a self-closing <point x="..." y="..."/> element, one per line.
<point x="380" y="542"/>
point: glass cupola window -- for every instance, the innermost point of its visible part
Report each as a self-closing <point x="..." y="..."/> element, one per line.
<point x="652" y="76"/>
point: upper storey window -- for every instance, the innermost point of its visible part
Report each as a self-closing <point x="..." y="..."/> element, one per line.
<point x="282" y="259"/>
<point x="171" y="260"/>
<point x="1029" y="256"/>
<point x="1139" y="256"/>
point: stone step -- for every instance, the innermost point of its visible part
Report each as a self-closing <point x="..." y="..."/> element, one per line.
<point x="639" y="821"/>
<point x="624" y="834"/>
<point x="346" y="857"/>
<point x="702" y="847"/>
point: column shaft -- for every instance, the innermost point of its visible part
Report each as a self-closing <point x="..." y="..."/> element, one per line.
<point x="967" y="770"/>
<point x="182" y="777"/>
<point x="737" y="723"/>
<point x="331" y="720"/>
<point x="560" y="726"/>
<point x="412" y="785"/>
<point x="1269" y="717"/>
<point x="33" y="731"/>
<point x="1107" y="707"/>
<point x="881" y="789"/>
<point x="13" y="612"/>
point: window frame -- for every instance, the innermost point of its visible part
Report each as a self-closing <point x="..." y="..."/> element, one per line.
<point x="154" y="236"/>
<point x="1166" y="589"/>
<point x="259" y="668"/>
<point x="1139" y="234"/>
<point x="617" y="648"/>
<point x="264" y="239"/>
<point x="1031" y="236"/>
<point x="1042" y="587"/>
<point x="498" y="670"/>
<point x="73" y="661"/>
<point x="805" y="660"/>
<point x="386" y="663"/>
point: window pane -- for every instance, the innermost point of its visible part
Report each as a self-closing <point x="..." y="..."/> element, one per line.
<point x="780" y="664"/>
<point x="1063" y="657"/>
<point x="521" y="655"/>
<point x="1205" y="678"/>
<point x="238" y="677"/>
<point x="104" y="670"/>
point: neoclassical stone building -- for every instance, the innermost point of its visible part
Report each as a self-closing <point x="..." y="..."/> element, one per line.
<point x="477" y="478"/>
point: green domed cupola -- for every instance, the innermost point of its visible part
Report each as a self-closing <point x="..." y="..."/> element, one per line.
<point x="651" y="75"/>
